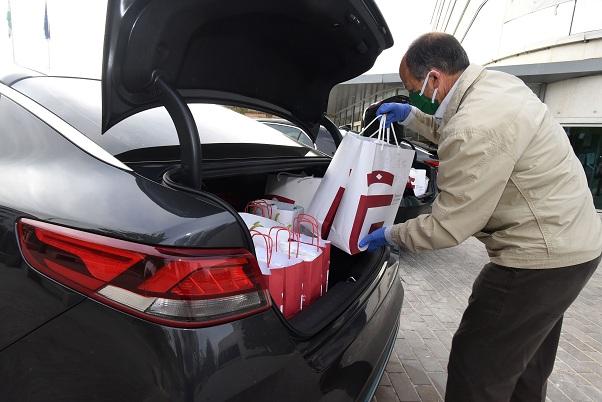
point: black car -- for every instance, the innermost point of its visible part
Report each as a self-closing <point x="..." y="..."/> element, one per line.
<point x="126" y="273"/>
<point x="425" y="158"/>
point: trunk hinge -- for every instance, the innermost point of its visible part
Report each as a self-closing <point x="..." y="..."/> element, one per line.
<point x="188" y="133"/>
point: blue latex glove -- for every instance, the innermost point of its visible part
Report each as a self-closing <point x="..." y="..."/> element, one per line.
<point x="395" y="112"/>
<point x="374" y="240"/>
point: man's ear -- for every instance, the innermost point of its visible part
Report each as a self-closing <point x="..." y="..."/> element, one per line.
<point x="436" y="76"/>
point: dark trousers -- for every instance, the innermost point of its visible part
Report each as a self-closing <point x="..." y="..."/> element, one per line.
<point x="505" y="346"/>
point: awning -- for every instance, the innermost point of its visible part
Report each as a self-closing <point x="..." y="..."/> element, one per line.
<point x="552" y="72"/>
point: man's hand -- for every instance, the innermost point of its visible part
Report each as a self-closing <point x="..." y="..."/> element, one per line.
<point x="395" y="112"/>
<point x="374" y="240"/>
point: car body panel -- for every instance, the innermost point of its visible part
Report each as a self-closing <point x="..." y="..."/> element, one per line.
<point x="238" y="52"/>
<point x="46" y="177"/>
<point x="67" y="186"/>
<point x="98" y="354"/>
<point x="27" y="299"/>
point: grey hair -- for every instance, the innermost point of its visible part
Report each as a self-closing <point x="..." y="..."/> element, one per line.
<point x="436" y="50"/>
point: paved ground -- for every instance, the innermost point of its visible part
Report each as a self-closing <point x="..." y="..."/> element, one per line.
<point x="437" y="286"/>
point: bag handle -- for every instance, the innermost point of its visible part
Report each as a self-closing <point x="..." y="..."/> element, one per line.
<point x="253" y="204"/>
<point x="268" y="245"/>
<point x="388" y="130"/>
<point x="394" y="135"/>
<point x="381" y="131"/>
<point x="299" y="175"/>
<point x="368" y="125"/>
<point x="281" y="229"/>
<point x="262" y="205"/>
<point x="380" y="125"/>
<point x="305" y="218"/>
<point x="268" y="208"/>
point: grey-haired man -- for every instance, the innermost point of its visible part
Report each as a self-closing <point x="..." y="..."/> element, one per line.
<point x="508" y="176"/>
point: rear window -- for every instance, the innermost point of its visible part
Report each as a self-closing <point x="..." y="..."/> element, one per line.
<point x="225" y="133"/>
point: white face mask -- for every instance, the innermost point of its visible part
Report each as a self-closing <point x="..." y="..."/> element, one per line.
<point x="426" y="80"/>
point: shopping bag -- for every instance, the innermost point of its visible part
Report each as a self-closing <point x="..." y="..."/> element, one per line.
<point x="420" y="181"/>
<point x="303" y="282"/>
<point x="266" y="208"/>
<point x="373" y="190"/>
<point x="293" y="273"/>
<point x="274" y="277"/>
<point x="279" y="211"/>
<point x="307" y="248"/>
<point x="314" y="258"/>
<point x="283" y="272"/>
<point x="286" y="213"/>
<point x="319" y="277"/>
<point x="258" y="222"/>
<point x="292" y="189"/>
<point x="329" y="193"/>
<point x="325" y="246"/>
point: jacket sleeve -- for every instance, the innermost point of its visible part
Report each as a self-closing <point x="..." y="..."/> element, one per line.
<point x="474" y="169"/>
<point x="422" y="123"/>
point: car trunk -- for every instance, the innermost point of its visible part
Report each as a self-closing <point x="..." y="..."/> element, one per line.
<point x="350" y="275"/>
<point x="170" y="54"/>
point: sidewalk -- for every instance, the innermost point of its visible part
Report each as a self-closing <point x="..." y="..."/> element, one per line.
<point x="437" y="286"/>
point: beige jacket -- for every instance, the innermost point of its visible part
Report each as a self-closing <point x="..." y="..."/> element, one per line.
<point x="508" y="176"/>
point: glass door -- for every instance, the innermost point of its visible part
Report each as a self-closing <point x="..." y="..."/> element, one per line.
<point x="587" y="143"/>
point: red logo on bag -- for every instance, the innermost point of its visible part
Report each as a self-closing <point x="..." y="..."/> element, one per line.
<point x="370" y="201"/>
<point x="380" y="176"/>
<point x="366" y="202"/>
<point x="329" y="218"/>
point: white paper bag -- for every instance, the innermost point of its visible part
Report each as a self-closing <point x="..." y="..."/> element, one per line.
<point x="420" y="181"/>
<point x="292" y="189"/>
<point x="329" y="194"/>
<point x="376" y="175"/>
<point x="269" y="227"/>
<point x="256" y="222"/>
<point x="287" y="213"/>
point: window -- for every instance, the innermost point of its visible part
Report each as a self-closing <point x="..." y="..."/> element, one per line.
<point x="226" y="133"/>
<point x="305" y="140"/>
<point x="23" y="134"/>
<point x="325" y="142"/>
<point x="587" y="143"/>
<point x="290" y="131"/>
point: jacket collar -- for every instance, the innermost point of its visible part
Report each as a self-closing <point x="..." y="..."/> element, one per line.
<point x="466" y="80"/>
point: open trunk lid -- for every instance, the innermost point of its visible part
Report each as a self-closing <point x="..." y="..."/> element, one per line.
<point x="278" y="56"/>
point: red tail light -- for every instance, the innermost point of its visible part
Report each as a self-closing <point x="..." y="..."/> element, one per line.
<point x="432" y="162"/>
<point x="171" y="286"/>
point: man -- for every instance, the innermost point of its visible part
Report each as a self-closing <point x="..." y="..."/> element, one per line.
<point x="508" y="176"/>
